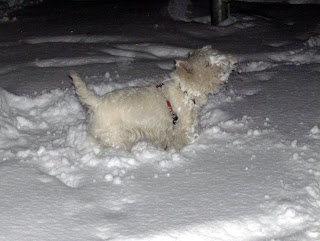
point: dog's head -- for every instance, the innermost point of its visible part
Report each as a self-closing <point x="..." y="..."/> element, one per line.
<point x="203" y="72"/>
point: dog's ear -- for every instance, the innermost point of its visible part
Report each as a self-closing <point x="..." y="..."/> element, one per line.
<point x="185" y="66"/>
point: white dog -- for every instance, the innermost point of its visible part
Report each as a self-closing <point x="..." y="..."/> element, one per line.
<point x="166" y="114"/>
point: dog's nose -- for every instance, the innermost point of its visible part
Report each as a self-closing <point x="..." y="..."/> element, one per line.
<point x="236" y="66"/>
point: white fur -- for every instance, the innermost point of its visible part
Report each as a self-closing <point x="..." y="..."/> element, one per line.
<point x="121" y="118"/>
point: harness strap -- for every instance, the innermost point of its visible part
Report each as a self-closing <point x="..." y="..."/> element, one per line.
<point x="173" y="114"/>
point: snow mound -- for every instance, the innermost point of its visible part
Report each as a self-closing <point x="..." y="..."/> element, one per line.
<point x="76" y="61"/>
<point x="315" y="132"/>
<point x="313" y="41"/>
<point x="147" y="51"/>
<point x="268" y="60"/>
<point x="161" y="51"/>
<point x="118" y="53"/>
<point x="79" y="39"/>
<point x="256" y="66"/>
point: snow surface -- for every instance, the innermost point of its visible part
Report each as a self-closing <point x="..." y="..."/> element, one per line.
<point x="252" y="174"/>
<point x="12" y="3"/>
<point x="9" y="6"/>
<point x="283" y="1"/>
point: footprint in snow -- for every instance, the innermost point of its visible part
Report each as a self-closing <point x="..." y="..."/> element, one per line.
<point x="278" y="44"/>
<point x="45" y="179"/>
<point x="128" y="53"/>
<point x="249" y="92"/>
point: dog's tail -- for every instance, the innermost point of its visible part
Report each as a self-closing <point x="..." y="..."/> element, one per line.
<point x="86" y="96"/>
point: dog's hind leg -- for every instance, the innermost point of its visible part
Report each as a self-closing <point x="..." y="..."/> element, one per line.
<point x="115" y="137"/>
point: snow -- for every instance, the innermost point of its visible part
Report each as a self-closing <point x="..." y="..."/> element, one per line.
<point x="12" y="3"/>
<point x="9" y="6"/>
<point x="283" y="1"/>
<point x="251" y="174"/>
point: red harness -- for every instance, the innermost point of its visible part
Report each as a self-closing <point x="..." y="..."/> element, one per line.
<point x="173" y="114"/>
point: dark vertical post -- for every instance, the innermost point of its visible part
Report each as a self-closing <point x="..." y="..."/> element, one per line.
<point x="219" y="10"/>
